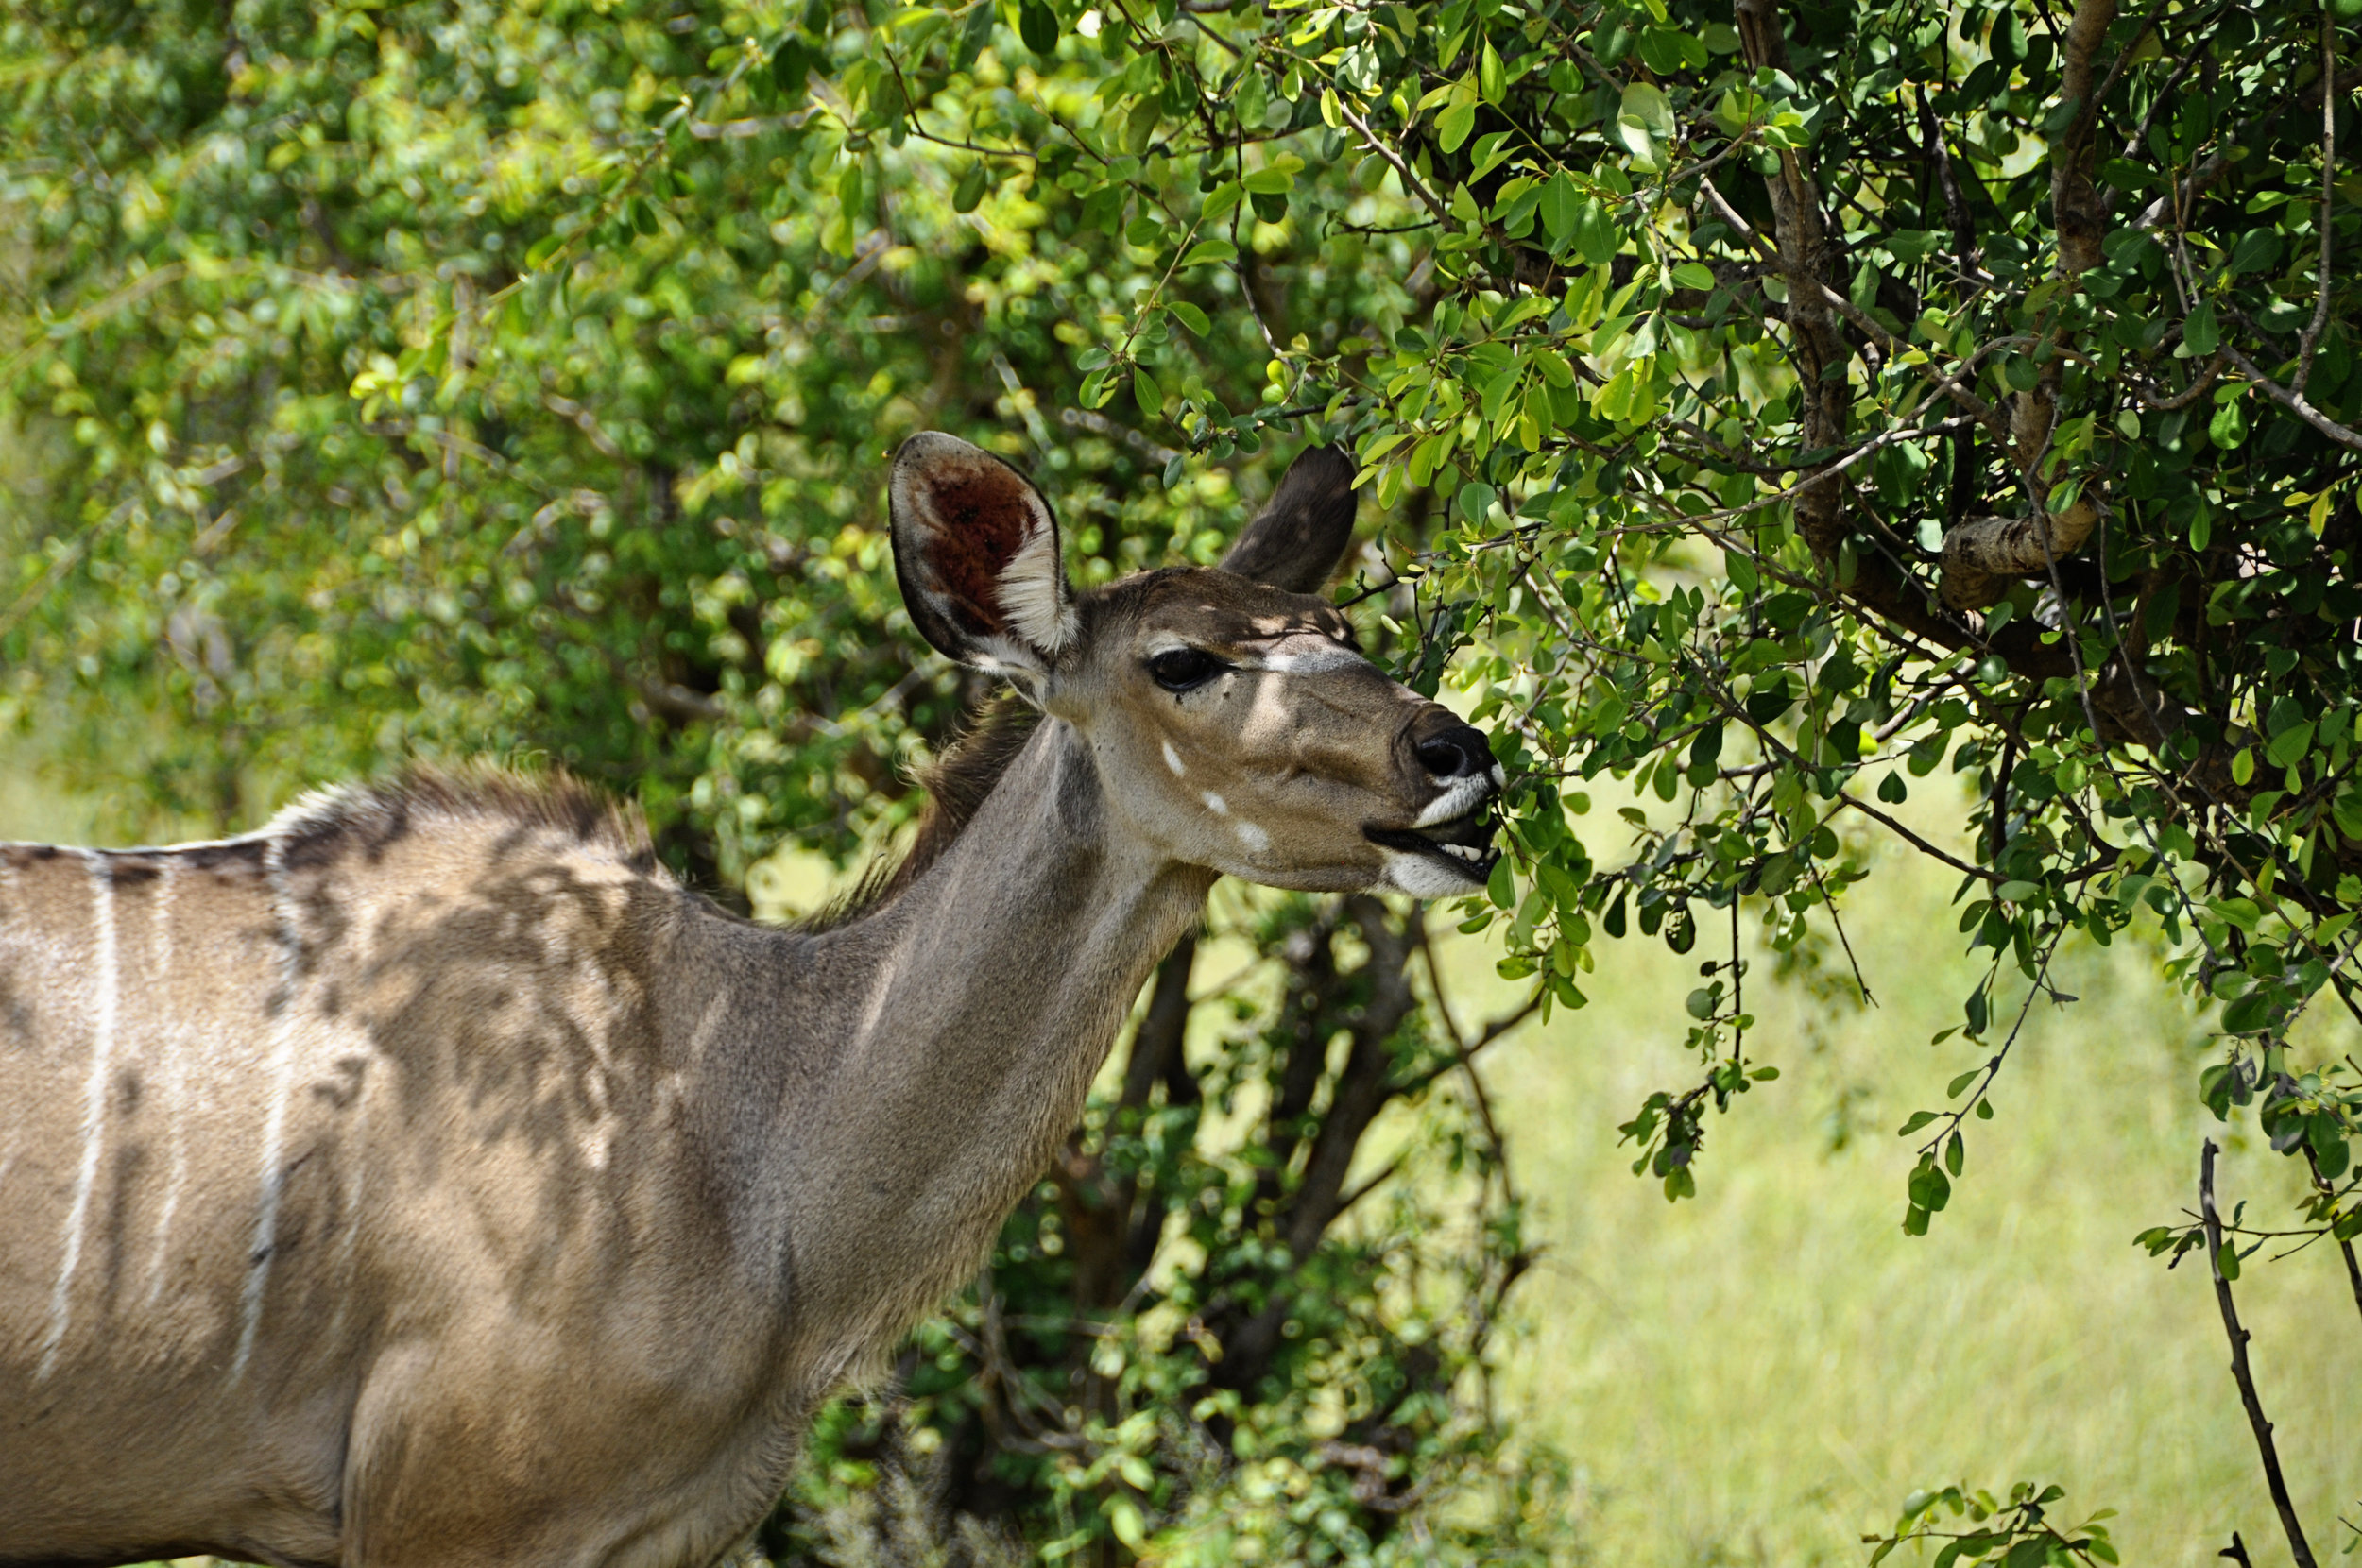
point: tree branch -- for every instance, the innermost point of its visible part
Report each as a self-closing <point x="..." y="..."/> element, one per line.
<point x="2312" y="336"/>
<point x="2246" y="1379"/>
<point x="2295" y="403"/>
<point x="2075" y="208"/>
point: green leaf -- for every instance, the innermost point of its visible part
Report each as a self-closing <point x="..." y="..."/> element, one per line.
<point x="1695" y="275"/>
<point x="1475" y="500"/>
<point x="1037" y="25"/>
<point x="1644" y="121"/>
<point x="1489" y="152"/>
<point x="1146" y="393"/>
<point x="1270" y="182"/>
<point x="2246" y="1013"/>
<point x="2257" y="250"/>
<point x="1597" y="238"/>
<point x="1918" y="1119"/>
<point x="1453" y="124"/>
<point x="2242" y="913"/>
<point x="1190" y="316"/>
<point x="2288" y="747"/>
<point x="1646" y="105"/>
<point x="1561" y="210"/>
<point x="1206" y="251"/>
<point x="975" y="35"/>
<point x="1931" y="1188"/>
<point x="970" y="189"/>
<point x="791" y="63"/>
<point x="2200" y="332"/>
<point x="1139" y="125"/>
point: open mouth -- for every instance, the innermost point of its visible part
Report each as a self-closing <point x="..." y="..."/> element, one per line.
<point x="1465" y="842"/>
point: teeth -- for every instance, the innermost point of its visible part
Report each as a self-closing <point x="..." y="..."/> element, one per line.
<point x="1468" y="852"/>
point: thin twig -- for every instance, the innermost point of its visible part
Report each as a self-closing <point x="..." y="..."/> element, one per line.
<point x="1980" y="873"/>
<point x="2312" y="337"/>
<point x="2295" y="403"/>
<point x="2263" y="1428"/>
<point x="2328" y="1189"/>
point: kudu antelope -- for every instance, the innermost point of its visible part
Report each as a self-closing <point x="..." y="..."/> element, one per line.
<point x="427" y="1179"/>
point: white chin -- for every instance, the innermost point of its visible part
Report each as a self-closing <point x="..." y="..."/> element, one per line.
<point x="1424" y="876"/>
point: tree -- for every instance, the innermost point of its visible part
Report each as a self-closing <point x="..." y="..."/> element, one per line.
<point x="1764" y="407"/>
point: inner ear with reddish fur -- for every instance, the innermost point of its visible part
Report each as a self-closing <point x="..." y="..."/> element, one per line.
<point x="976" y="553"/>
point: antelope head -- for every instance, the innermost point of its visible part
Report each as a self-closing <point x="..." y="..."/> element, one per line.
<point x="1232" y="717"/>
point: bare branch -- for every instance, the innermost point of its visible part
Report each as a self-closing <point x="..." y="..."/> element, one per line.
<point x="1983" y="556"/>
<point x="1949" y="385"/>
<point x="2312" y="336"/>
<point x="2295" y="403"/>
<point x="2246" y="1379"/>
<point x="2075" y="209"/>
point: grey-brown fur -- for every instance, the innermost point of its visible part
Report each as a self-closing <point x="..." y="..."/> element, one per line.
<point x="428" y="1179"/>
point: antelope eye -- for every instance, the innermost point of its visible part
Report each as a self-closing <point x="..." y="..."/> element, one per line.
<point x="1184" y="669"/>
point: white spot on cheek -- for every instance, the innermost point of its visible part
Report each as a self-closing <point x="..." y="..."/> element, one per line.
<point x="1172" y="760"/>
<point x="1215" y="803"/>
<point x="1253" y="837"/>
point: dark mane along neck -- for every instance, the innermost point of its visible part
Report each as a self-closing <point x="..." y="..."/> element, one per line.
<point x="957" y="787"/>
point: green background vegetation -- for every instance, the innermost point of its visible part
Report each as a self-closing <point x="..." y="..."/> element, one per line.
<point x="1886" y="459"/>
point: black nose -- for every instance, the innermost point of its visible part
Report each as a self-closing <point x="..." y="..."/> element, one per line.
<point x="1460" y="752"/>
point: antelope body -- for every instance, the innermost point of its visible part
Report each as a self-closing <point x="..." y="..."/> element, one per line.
<point x="427" y="1179"/>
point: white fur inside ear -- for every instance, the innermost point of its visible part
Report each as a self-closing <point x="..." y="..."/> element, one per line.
<point x="1033" y="590"/>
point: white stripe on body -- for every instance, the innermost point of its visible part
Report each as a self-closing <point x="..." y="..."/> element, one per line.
<point x="284" y="1033"/>
<point x="174" y="1087"/>
<point x="93" y="1108"/>
<point x="15" y="1125"/>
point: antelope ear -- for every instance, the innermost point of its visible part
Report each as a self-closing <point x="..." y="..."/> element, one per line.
<point x="976" y="551"/>
<point x="1302" y="534"/>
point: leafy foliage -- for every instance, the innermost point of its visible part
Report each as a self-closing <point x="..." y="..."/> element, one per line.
<point x="1768" y="408"/>
<point x="2018" y="1533"/>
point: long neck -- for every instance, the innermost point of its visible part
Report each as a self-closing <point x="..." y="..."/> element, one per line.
<point x="945" y="1044"/>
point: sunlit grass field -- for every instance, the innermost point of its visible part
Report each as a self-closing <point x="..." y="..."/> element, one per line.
<point x="1759" y="1375"/>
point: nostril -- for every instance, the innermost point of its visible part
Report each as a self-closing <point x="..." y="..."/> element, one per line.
<point x="1455" y="754"/>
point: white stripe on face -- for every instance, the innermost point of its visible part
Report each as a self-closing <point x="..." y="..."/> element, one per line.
<point x="1309" y="657"/>
<point x="1459" y="799"/>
